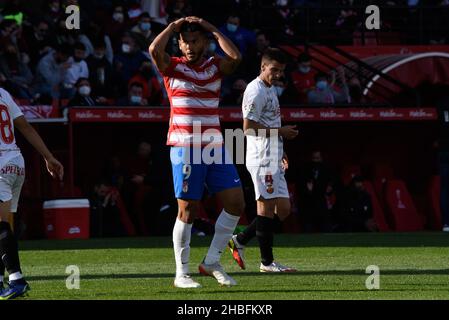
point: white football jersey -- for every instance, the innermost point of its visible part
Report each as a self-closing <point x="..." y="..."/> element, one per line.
<point x="261" y="104"/>
<point x="8" y="112"/>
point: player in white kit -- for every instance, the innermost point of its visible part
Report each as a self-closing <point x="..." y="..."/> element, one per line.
<point x="12" y="176"/>
<point x="265" y="160"/>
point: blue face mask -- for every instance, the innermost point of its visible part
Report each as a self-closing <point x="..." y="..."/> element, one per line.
<point x="212" y="47"/>
<point x="304" y="69"/>
<point x="231" y="27"/>
<point x="136" y="99"/>
<point x="279" y="90"/>
<point x="322" y="85"/>
<point x="145" y="26"/>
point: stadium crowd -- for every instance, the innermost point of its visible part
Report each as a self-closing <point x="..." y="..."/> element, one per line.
<point x="106" y="62"/>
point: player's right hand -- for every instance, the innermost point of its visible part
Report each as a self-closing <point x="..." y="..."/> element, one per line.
<point x="288" y="132"/>
<point x="55" y="168"/>
<point x="177" y="24"/>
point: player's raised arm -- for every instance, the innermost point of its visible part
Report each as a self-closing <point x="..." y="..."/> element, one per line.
<point x="54" y="167"/>
<point x="157" y="48"/>
<point x="233" y="56"/>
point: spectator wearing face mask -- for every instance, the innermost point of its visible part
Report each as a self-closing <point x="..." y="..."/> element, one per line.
<point x="117" y="25"/>
<point x="135" y="97"/>
<point x="78" y="69"/>
<point x="303" y="77"/>
<point x="83" y="97"/>
<point x="100" y="70"/>
<point x="145" y="31"/>
<point x="128" y="61"/>
<point x="324" y="92"/>
<point x="286" y="94"/>
<point x="152" y="90"/>
<point x="241" y="37"/>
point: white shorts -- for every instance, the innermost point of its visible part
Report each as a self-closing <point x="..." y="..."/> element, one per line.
<point x="12" y="176"/>
<point x="268" y="186"/>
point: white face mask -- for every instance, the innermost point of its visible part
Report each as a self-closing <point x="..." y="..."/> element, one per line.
<point x="126" y="48"/>
<point x="84" y="91"/>
<point x="136" y="99"/>
<point x="212" y="47"/>
<point x="118" y="16"/>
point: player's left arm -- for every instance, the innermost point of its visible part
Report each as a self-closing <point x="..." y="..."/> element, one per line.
<point x="54" y="167"/>
<point x="233" y="56"/>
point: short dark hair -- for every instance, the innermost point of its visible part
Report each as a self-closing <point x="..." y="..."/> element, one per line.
<point x="79" y="46"/>
<point x="78" y="82"/>
<point x="320" y="75"/>
<point x="274" y="54"/>
<point x="192" y="27"/>
<point x="304" y="57"/>
<point x="64" y="49"/>
<point x="135" y="84"/>
<point x="98" y="43"/>
<point x="144" y="15"/>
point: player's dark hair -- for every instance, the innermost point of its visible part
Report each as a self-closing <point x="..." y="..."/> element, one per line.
<point x="192" y="27"/>
<point x="274" y="54"/>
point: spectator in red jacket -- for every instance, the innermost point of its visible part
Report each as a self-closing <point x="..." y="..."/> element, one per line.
<point x="303" y="77"/>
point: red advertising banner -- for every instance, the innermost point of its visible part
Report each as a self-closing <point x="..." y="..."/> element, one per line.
<point x="235" y="114"/>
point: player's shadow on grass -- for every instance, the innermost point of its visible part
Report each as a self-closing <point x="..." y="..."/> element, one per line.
<point x="407" y="272"/>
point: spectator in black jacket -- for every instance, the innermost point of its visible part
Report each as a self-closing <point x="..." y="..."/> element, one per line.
<point x="357" y="210"/>
<point x="100" y="71"/>
<point x="315" y="186"/>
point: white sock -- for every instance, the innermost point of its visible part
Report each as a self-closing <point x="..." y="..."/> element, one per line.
<point x="15" y="276"/>
<point x="224" y="228"/>
<point x="181" y="244"/>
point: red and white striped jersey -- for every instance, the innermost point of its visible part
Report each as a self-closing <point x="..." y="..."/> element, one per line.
<point x="194" y="94"/>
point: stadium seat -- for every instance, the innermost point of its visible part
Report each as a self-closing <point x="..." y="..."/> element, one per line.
<point x="401" y="208"/>
<point x="378" y="212"/>
<point x="434" y="201"/>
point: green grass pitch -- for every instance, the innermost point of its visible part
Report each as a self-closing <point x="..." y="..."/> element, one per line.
<point x="331" y="266"/>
